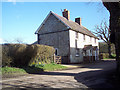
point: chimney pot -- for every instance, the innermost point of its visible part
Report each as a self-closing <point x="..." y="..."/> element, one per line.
<point x="78" y="20"/>
<point x="66" y="14"/>
<point x="65" y="9"/>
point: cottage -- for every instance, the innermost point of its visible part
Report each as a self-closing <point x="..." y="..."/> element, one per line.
<point x="70" y="39"/>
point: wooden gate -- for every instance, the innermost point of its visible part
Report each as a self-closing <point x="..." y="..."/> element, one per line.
<point x="57" y="59"/>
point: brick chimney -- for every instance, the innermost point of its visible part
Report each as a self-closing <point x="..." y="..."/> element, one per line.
<point x="66" y="14"/>
<point x="78" y="20"/>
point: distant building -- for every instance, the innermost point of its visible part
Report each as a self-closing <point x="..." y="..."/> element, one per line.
<point x="70" y="39"/>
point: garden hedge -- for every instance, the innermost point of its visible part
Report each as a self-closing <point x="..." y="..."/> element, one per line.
<point x="24" y="55"/>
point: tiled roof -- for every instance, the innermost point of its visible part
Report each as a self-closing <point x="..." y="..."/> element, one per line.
<point x="75" y="26"/>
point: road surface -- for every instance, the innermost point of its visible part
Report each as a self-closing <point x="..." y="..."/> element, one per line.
<point x="92" y="75"/>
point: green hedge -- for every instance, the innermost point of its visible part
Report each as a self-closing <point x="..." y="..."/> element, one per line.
<point x="106" y="55"/>
<point x="24" y="55"/>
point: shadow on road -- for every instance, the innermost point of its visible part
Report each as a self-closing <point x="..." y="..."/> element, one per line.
<point x="93" y="78"/>
<point x="24" y="86"/>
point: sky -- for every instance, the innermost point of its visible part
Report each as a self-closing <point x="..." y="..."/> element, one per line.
<point x="20" y="20"/>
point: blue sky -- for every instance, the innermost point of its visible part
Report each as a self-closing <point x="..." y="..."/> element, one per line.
<point x="20" y="20"/>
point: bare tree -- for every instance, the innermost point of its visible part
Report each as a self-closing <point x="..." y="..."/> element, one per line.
<point x="18" y="40"/>
<point x="103" y="33"/>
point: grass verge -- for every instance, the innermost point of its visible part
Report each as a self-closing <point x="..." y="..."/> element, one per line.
<point x="12" y="72"/>
<point x="50" y="67"/>
<point x="8" y="72"/>
<point x="108" y="58"/>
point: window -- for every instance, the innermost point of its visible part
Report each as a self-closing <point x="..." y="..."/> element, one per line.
<point x="75" y="43"/>
<point x="83" y="37"/>
<point x="56" y="51"/>
<point x="84" y="53"/>
<point x="38" y="39"/>
<point x="77" y="52"/>
<point x="90" y="52"/>
<point x="90" y="39"/>
<point x="95" y="40"/>
<point x="76" y="35"/>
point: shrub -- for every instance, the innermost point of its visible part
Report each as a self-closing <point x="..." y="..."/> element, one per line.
<point x="113" y="56"/>
<point x="103" y="48"/>
<point x="104" y="55"/>
<point x="24" y="55"/>
<point x="6" y="59"/>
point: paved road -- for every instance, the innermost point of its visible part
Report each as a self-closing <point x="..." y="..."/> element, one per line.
<point x="86" y="76"/>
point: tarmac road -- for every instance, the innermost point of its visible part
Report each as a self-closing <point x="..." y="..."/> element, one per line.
<point x="93" y="75"/>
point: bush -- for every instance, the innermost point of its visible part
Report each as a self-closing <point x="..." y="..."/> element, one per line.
<point x="104" y="55"/>
<point x="24" y="55"/>
<point x="6" y="59"/>
<point x="113" y="56"/>
<point x="103" y="48"/>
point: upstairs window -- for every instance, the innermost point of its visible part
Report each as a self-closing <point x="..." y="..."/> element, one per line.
<point x="95" y="40"/>
<point x="90" y="39"/>
<point x="76" y="35"/>
<point x="83" y="37"/>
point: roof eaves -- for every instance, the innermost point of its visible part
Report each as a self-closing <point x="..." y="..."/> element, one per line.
<point x="43" y="23"/>
<point x="91" y="33"/>
<point x="68" y="27"/>
<point x="84" y="33"/>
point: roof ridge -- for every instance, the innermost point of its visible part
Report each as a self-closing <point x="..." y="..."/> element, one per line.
<point x="70" y="25"/>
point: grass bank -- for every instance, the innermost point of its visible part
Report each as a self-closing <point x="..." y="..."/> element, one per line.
<point x="12" y="72"/>
<point x="50" y="67"/>
<point x="8" y="72"/>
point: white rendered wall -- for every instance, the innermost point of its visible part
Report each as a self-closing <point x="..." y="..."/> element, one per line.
<point x="80" y="44"/>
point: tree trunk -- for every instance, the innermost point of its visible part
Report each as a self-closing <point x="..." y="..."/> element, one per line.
<point x="117" y="46"/>
<point x="114" y="9"/>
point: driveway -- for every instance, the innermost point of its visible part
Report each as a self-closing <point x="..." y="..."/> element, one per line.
<point x="92" y="75"/>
